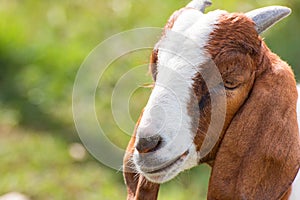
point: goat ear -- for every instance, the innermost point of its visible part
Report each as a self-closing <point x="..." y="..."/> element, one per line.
<point x="265" y="17"/>
<point x="259" y="155"/>
<point x="138" y="187"/>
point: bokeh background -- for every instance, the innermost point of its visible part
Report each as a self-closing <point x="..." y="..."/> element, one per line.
<point x="42" y="45"/>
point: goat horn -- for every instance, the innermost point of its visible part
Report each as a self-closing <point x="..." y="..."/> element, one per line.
<point x="265" y="17"/>
<point x="199" y="4"/>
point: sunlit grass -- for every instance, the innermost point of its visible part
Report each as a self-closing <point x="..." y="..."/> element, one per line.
<point x="40" y="166"/>
<point x="42" y="45"/>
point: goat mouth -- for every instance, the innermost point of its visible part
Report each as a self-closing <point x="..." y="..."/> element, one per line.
<point x="162" y="173"/>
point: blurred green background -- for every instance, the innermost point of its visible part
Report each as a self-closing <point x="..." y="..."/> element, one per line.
<point x="42" y="45"/>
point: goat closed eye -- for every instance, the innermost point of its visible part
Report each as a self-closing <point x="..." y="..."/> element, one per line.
<point x="230" y="85"/>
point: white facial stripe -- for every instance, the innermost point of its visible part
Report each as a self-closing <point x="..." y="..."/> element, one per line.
<point x="180" y="53"/>
<point x="193" y="30"/>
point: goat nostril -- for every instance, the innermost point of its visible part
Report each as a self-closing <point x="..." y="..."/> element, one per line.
<point x="149" y="144"/>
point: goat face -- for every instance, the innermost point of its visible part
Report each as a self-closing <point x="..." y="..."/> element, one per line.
<point x="202" y="62"/>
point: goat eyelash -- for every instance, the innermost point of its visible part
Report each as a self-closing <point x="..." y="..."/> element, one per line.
<point x="148" y="85"/>
<point x="231" y="88"/>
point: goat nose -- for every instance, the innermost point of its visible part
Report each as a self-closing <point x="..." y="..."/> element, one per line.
<point x="148" y="144"/>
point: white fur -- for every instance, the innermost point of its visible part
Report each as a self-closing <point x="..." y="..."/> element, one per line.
<point x="295" y="195"/>
<point x="181" y="52"/>
<point x="199" y="4"/>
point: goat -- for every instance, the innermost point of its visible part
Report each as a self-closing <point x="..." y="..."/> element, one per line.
<point x="256" y="154"/>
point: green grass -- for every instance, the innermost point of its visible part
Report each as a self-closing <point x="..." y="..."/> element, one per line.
<point x="42" y="45"/>
<point x="39" y="165"/>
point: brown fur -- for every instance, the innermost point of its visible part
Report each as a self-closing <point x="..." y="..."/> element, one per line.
<point x="138" y="187"/>
<point x="259" y="156"/>
<point x="258" y="153"/>
<point x="287" y="194"/>
<point x="235" y="49"/>
<point x="152" y="64"/>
